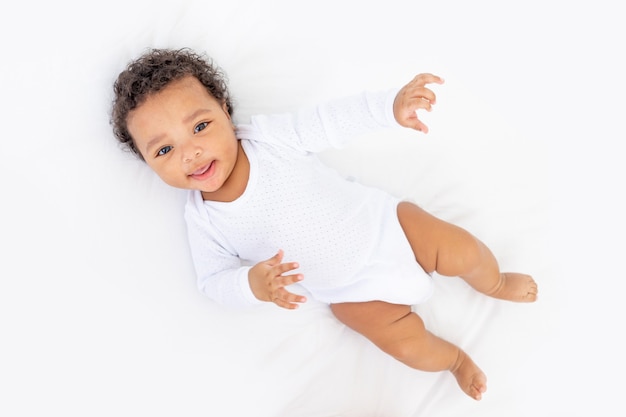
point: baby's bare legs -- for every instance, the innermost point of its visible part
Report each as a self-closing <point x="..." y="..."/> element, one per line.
<point x="452" y="251"/>
<point x="401" y="333"/>
<point x="449" y="250"/>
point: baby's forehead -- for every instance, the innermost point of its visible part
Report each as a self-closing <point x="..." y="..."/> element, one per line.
<point x="186" y="89"/>
<point x="180" y="97"/>
<point x="188" y="85"/>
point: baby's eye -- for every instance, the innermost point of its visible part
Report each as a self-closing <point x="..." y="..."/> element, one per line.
<point x="164" y="150"/>
<point x="200" y="127"/>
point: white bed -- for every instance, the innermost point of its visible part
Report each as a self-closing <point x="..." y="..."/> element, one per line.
<point x="99" y="312"/>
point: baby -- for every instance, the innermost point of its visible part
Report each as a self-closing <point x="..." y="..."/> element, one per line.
<point x="258" y="195"/>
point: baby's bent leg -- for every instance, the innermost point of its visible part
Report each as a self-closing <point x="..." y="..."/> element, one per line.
<point x="452" y="251"/>
<point x="401" y="333"/>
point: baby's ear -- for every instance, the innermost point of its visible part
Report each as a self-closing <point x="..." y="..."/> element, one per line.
<point x="225" y="108"/>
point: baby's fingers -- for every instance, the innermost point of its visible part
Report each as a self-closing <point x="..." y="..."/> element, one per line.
<point x="413" y="97"/>
<point x="276" y="259"/>
<point x="406" y="114"/>
<point x="284" y="298"/>
<point x="283" y="281"/>
<point x="280" y="269"/>
<point x="426" y="78"/>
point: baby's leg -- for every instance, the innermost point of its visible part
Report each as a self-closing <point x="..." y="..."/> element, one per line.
<point x="452" y="251"/>
<point x="401" y="333"/>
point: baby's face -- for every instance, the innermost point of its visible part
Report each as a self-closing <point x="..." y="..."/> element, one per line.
<point x="186" y="136"/>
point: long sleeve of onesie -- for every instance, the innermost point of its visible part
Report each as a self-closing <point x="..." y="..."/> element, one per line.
<point x="220" y="272"/>
<point x="332" y="124"/>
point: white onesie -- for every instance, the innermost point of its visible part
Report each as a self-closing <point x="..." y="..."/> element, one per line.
<point x="345" y="236"/>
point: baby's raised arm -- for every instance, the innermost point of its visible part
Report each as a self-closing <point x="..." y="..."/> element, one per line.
<point x="412" y="97"/>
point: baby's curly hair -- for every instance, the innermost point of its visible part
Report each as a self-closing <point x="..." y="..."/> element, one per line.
<point x="152" y="72"/>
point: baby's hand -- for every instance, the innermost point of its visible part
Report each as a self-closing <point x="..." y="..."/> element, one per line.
<point x="412" y="97"/>
<point x="268" y="282"/>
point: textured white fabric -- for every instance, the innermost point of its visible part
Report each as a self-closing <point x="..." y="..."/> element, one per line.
<point x="345" y="236"/>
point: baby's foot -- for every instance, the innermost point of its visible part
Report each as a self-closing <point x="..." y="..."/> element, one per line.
<point x="515" y="287"/>
<point x="469" y="376"/>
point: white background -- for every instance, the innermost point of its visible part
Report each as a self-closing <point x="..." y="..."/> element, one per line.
<point x="99" y="314"/>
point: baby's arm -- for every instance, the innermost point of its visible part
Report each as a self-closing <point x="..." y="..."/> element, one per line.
<point x="337" y="122"/>
<point x="222" y="276"/>
<point x="412" y="97"/>
<point x="268" y="283"/>
<point x="333" y="124"/>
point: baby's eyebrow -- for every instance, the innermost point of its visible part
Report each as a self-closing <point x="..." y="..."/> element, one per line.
<point x="195" y="114"/>
<point x="152" y="142"/>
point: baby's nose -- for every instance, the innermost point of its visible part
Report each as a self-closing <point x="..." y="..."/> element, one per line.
<point x="191" y="154"/>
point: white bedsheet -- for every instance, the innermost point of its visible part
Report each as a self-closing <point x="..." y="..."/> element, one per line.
<point x="99" y="313"/>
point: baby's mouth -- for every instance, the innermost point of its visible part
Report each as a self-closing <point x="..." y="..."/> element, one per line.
<point x="202" y="171"/>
